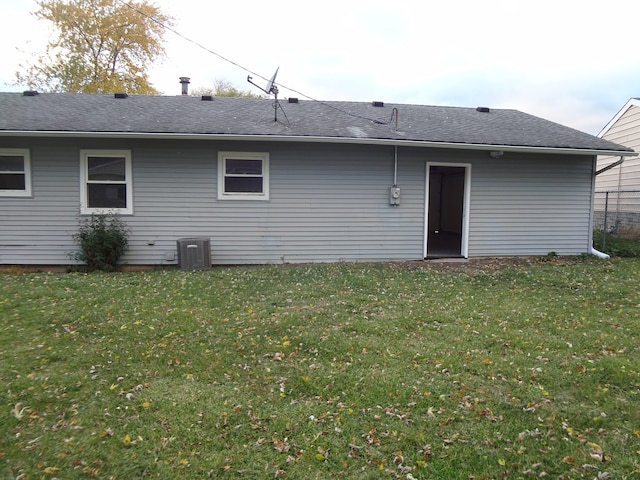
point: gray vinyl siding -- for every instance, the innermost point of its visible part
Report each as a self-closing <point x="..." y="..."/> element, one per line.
<point x="328" y="203"/>
<point x="37" y="229"/>
<point x="526" y="205"/>
<point x="523" y="205"/>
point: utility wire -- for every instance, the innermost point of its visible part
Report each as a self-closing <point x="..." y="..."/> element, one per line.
<point x="206" y="49"/>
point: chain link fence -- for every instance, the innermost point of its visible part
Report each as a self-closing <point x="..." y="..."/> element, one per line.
<point x="617" y="212"/>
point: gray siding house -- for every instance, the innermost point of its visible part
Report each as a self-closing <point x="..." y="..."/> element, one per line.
<point x="307" y="181"/>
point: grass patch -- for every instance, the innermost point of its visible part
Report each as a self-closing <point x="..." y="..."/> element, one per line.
<point x="323" y="371"/>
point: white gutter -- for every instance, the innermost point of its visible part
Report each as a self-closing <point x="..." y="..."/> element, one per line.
<point x="314" y="139"/>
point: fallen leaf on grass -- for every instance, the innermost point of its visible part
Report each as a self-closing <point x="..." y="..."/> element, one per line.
<point x="353" y="451"/>
<point x="18" y="410"/>
<point x="598" y="454"/>
<point x="281" y="445"/>
<point x="91" y="471"/>
<point x="322" y="454"/>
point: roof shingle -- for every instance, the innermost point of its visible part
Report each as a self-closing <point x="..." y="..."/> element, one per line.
<point x="146" y="114"/>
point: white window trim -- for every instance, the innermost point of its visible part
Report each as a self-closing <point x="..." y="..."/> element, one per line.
<point x="24" y="153"/>
<point x="84" y="176"/>
<point x="223" y="156"/>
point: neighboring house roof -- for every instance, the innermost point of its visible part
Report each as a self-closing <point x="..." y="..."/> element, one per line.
<point x="341" y="122"/>
<point x="633" y="102"/>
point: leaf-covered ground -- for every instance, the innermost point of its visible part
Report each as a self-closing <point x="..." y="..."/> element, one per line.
<point x="484" y="370"/>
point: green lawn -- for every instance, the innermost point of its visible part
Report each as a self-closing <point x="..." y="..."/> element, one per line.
<point x="361" y="371"/>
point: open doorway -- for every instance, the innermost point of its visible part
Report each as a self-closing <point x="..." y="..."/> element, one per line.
<point x="446" y="211"/>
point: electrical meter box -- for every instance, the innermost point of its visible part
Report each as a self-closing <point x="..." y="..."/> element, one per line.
<point x="394" y="195"/>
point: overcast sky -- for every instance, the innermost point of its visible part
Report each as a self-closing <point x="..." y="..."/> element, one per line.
<point x="574" y="62"/>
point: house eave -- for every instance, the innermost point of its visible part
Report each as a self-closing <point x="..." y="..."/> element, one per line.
<point x="317" y="139"/>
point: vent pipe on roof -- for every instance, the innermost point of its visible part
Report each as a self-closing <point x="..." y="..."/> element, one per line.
<point x="185" y="85"/>
<point x="483" y="109"/>
<point x="29" y="93"/>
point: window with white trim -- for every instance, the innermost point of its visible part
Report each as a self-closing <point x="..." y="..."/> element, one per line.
<point x="105" y="181"/>
<point x="15" y="172"/>
<point x="243" y="175"/>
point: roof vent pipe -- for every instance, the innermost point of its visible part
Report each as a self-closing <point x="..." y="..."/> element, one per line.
<point x="185" y="85"/>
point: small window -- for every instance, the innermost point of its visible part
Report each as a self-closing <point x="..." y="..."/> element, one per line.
<point x="106" y="181"/>
<point x="243" y="175"/>
<point x="15" y="173"/>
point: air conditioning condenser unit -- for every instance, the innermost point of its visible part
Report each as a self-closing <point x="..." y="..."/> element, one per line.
<point x="194" y="253"/>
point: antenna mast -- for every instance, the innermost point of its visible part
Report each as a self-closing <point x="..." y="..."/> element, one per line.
<point x="269" y="89"/>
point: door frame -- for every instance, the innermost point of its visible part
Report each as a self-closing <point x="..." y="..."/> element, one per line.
<point x="466" y="202"/>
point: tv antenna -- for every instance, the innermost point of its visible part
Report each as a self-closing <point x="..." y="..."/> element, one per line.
<point x="269" y="89"/>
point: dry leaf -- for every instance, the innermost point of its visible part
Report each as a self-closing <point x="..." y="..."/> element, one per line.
<point x="598" y="454"/>
<point x="281" y="445"/>
<point x="18" y="410"/>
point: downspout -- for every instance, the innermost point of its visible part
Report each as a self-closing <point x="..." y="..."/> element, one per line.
<point x="593" y="251"/>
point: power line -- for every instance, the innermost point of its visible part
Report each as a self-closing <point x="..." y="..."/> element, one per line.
<point x="208" y="50"/>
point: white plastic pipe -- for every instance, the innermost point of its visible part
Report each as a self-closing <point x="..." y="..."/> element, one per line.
<point x="599" y="254"/>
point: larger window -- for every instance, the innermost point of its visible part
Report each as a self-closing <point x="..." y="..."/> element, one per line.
<point x="106" y="181"/>
<point x="243" y="175"/>
<point x="15" y="172"/>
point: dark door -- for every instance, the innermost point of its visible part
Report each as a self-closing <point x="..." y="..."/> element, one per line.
<point x="445" y="212"/>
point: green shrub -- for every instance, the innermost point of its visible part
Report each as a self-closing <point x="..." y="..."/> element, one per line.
<point x="103" y="239"/>
<point x="617" y="245"/>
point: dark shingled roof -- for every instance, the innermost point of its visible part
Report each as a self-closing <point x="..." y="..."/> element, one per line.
<point x="342" y="121"/>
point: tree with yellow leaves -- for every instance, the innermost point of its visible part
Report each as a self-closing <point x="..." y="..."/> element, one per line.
<point x="102" y="46"/>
